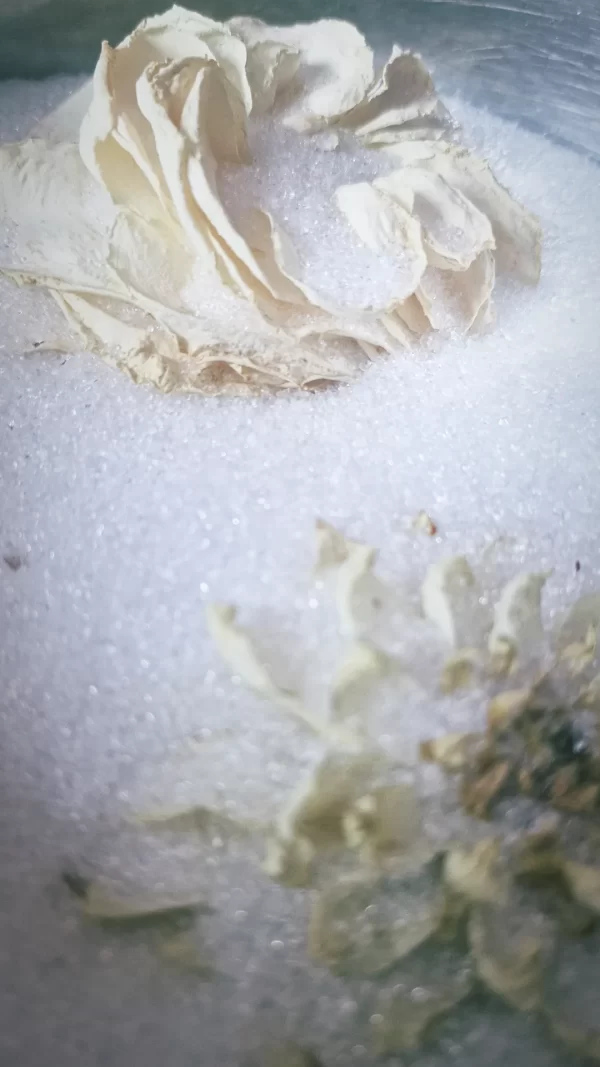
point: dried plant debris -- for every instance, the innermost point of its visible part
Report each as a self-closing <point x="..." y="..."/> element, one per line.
<point x="125" y="250"/>
<point x="425" y="524"/>
<point x="425" y="991"/>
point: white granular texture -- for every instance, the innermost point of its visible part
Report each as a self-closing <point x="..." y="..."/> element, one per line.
<point x="295" y="178"/>
<point x="129" y="509"/>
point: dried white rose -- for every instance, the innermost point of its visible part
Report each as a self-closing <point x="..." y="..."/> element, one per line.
<point x="116" y="206"/>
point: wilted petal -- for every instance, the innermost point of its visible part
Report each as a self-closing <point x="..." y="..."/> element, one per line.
<point x="517" y="629"/>
<point x="355" y="589"/>
<point x="386" y="226"/>
<point x="332" y="546"/>
<point x="452" y="299"/>
<point x="403" y="93"/>
<point x="517" y="232"/>
<point x="360" y="668"/>
<point x="449" y="597"/>
<point x="454" y="231"/>
<point x="336" y="62"/>
<point x="58" y="219"/>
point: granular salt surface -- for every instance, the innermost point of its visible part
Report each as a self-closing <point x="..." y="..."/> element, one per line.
<point x="295" y="178"/>
<point x="128" y="509"/>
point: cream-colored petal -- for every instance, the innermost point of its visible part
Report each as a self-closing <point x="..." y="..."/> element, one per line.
<point x="182" y="34"/>
<point x="355" y="587"/>
<point x="449" y="596"/>
<point x="115" y="141"/>
<point x="336" y="67"/>
<point x="239" y="651"/>
<point x="57" y="219"/>
<point x="459" y="670"/>
<point x="457" y="299"/>
<point x="454" y="231"/>
<point x="385" y="225"/>
<point x="404" y="92"/>
<point x="270" y="67"/>
<point x="475" y="872"/>
<point x="411" y="313"/>
<point x="398" y="329"/>
<point x="517" y="232"/>
<point x="100" y="904"/>
<point x="277" y="258"/>
<point x="211" y="125"/>
<point x="148" y="353"/>
<point x="149" y="259"/>
<point x="581" y="617"/>
<point x="332" y="546"/>
<point x="420" y="129"/>
<point x="518" y="628"/>
<point x="453" y="752"/>
<point x="362" y="665"/>
<point x="508" y="706"/>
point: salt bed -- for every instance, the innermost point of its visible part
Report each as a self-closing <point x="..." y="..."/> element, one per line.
<point x="129" y="509"/>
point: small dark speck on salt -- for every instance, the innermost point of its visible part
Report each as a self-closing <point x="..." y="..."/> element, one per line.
<point x="577" y="566"/>
<point x="13" y="561"/>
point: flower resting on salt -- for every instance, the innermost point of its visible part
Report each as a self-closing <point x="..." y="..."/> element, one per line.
<point x="142" y="206"/>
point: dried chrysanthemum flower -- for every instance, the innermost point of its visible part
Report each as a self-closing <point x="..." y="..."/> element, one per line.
<point x="123" y="207"/>
<point x="425" y="922"/>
